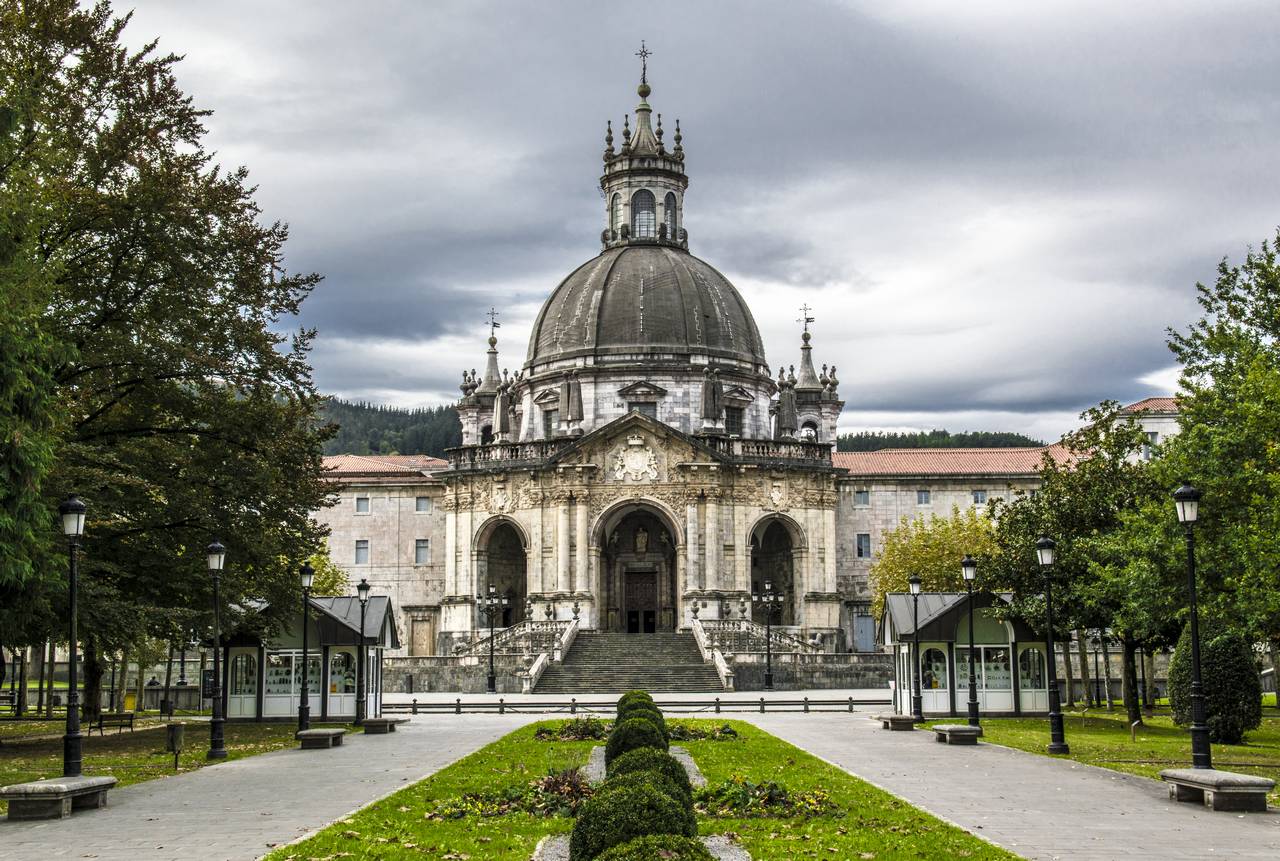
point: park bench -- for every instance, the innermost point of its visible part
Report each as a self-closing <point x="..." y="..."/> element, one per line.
<point x="897" y="723"/>
<point x="116" y="719"/>
<point x="1218" y="790"/>
<point x="56" y="797"/>
<point x="381" y="725"/>
<point x="313" y="739"/>
<point x="957" y="733"/>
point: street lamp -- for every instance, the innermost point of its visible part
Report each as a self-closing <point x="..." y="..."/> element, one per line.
<point x="917" y="700"/>
<point x="491" y="605"/>
<point x="1045" y="553"/>
<point x="362" y="591"/>
<point x="72" y="511"/>
<point x="216" y="556"/>
<point x="306" y="574"/>
<point x="969" y="570"/>
<point x="1187" y="500"/>
<point x="771" y="601"/>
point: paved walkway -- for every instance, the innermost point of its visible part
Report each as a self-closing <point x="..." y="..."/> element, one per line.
<point x="236" y="811"/>
<point x="1035" y="806"/>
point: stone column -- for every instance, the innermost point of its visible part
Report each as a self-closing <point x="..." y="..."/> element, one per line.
<point x="467" y="584"/>
<point x="829" y="550"/>
<point x="712" y="531"/>
<point x="563" y="583"/>
<point x="696" y="578"/>
<point x="534" y="560"/>
<point x="742" y="547"/>
<point x="450" y="551"/>
<point x="582" y="577"/>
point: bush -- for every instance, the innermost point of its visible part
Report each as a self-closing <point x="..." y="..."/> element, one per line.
<point x="631" y="735"/>
<point x="623" y="813"/>
<point x="650" y="714"/>
<point x="692" y="732"/>
<point x="576" y="729"/>
<point x="647" y="759"/>
<point x="655" y="780"/>
<point x="1232" y="687"/>
<point x="659" y="847"/>
<point x="634" y="697"/>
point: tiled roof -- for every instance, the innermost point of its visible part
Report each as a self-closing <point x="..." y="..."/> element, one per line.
<point x="382" y="464"/>
<point x="949" y="461"/>
<point x="1153" y="405"/>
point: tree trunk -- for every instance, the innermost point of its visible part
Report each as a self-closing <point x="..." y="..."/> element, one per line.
<point x="168" y="676"/>
<point x="91" y="703"/>
<point x="42" y="664"/>
<point x="1106" y="668"/>
<point x="1129" y="681"/>
<point x="1070" y="700"/>
<point x="22" y="682"/>
<point x="1149" y="664"/>
<point x="140" y="686"/>
<point x="52" y="663"/>
<point x="1089" y="692"/>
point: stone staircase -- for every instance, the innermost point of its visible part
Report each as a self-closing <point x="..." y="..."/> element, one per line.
<point x="600" y="663"/>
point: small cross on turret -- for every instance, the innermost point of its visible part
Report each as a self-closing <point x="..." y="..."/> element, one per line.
<point x="644" y="54"/>
<point x="494" y="325"/>
<point x="804" y="316"/>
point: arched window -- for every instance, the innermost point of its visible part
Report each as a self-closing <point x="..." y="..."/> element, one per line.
<point x="615" y="212"/>
<point x="669" y="215"/>
<point x="809" y="432"/>
<point x="933" y="670"/>
<point x="643" y="215"/>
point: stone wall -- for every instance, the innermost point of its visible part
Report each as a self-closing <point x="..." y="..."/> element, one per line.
<point x="467" y="675"/>
<point x="795" y="672"/>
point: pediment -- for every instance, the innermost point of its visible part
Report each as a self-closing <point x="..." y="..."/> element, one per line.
<point x="641" y="389"/>
<point x="550" y="397"/>
<point x="739" y="394"/>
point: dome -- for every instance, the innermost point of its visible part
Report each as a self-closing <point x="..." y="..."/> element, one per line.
<point x="645" y="300"/>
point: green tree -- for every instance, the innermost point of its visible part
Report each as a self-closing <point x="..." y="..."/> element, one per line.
<point x="877" y="440"/>
<point x="933" y="548"/>
<point x="1231" y="686"/>
<point x="186" y="414"/>
<point x="330" y="580"/>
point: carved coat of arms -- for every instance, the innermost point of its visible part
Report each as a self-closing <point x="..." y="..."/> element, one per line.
<point x="499" y="501"/>
<point x="635" y="461"/>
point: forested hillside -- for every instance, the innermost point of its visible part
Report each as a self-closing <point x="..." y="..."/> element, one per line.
<point x="372" y="429"/>
<point x="874" y="441"/>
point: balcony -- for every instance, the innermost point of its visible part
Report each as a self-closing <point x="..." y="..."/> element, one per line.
<point x="523" y="455"/>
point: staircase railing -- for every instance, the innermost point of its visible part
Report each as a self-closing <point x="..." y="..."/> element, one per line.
<point x="564" y="642"/>
<point x="524" y="638"/>
<point x="744" y="635"/>
<point x="711" y="654"/>
<point x="534" y="673"/>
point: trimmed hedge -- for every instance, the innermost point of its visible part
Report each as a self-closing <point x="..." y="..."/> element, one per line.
<point x="647" y="759"/>
<point x="650" y="714"/>
<point x="633" y="734"/>
<point x="634" y="696"/>
<point x="621" y="814"/>
<point x="667" y="847"/>
<point x="656" y="780"/>
<point x="1232" y="686"/>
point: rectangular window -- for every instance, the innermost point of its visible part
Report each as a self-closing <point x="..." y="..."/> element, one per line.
<point x="422" y="551"/>
<point x="1153" y="437"/>
<point x="979" y="497"/>
<point x="550" y="418"/>
<point x="362" y="505"/>
<point x="362" y="551"/>
<point x="647" y="408"/>
<point x="733" y="420"/>
<point x="862" y="497"/>
<point x="422" y="505"/>
<point x="864" y="545"/>
<point x="923" y="497"/>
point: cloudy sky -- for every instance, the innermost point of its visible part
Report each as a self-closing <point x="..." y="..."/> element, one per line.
<point x="995" y="208"/>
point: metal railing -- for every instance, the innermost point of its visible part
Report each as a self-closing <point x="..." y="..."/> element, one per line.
<point x="716" y="705"/>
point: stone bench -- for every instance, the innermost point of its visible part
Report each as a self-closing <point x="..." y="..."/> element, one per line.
<point x="897" y="723"/>
<point x="1218" y="790"/>
<point x="381" y="725"/>
<point x="314" y="739"/>
<point x="56" y="797"/>
<point x="957" y="733"/>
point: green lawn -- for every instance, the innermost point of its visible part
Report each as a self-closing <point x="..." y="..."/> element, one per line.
<point x="137" y="756"/>
<point x="875" y="825"/>
<point x="1103" y="739"/>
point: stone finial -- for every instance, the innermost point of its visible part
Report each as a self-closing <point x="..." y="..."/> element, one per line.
<point x="679" y="150"/>
<point x="626" y="132"/>
<point x="608" y="140"/>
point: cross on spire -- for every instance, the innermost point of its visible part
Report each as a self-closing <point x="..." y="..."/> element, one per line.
<point x="804" y="316"/>
<point x="494" y="325"/>
<point x="644" y="54"/>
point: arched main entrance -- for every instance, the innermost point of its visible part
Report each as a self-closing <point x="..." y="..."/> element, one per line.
<point x="638" y="572"/>
<point x="773" y="561"/>
<point x="501" y="562"/>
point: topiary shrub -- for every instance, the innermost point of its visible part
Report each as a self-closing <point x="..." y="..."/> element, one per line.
<point x="658" y="847"/>
<point x="647" y="759"/>
<point x="631" y="735"/>
<point x="1232" y="687"/>
<point x="633" y="697"/>
<point x="656" y="780"/>
<point x="645" y="713"/>
<point x="623" y="813"/>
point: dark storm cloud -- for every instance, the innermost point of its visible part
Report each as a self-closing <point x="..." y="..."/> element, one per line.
<point x="997" y="208"/>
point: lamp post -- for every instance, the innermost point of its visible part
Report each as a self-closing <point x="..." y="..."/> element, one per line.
<point x="1142" y="676"/>
<point x="216" y="556"/>
<point x="1097" y="673"/>
<point x="72" y="511"/>
<point x="1045" y="554"/>
<point x="362" y="591"/>
<point x="1187" y="500"/>
<point x="306" y="574"/>
<point x="917" y="700"/>
<point x="969" y="570"/>
<point x="491" y="605"/>
<point x="771" y="601"/>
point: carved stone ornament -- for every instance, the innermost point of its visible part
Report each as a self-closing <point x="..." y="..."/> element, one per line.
<point x="635" y="461"/>
<point x="499" y="501"/>
<point x="777" y="497"/>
